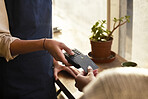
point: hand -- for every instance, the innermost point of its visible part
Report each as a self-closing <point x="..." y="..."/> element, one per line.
<point x="81" y="80"/>
<point x="55" y="49"/>
<point x="58" y="68"/>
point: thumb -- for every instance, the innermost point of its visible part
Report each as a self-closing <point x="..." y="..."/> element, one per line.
<point x="90" y="71"/>
<point x="56" y="75"/>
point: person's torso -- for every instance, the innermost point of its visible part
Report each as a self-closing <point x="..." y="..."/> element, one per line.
<point x="29" y="75"/>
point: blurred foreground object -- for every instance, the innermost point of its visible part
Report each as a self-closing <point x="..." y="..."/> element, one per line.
<point x="119" y="83"/>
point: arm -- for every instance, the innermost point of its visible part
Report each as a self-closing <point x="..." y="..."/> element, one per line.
<point x="52" y="46"/>
<point x="5" y="38"/>
<point x="11" y="46"/>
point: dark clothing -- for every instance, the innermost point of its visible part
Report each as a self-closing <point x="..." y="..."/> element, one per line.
<point x="29" y="76"/>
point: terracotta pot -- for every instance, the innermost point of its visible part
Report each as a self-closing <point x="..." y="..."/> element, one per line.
<point x="101" y="49"/>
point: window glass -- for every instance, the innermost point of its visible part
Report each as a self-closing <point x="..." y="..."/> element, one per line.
<point x="75" y="18"/>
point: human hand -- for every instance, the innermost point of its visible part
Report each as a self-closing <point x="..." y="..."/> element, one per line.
<point x="58" y="68"/>
<point x="81" y="79"/>
<point x="55" y="49"/>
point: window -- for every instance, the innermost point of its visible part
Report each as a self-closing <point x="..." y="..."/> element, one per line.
<point x="75" y="18"/>
<point x="136" y="35"/>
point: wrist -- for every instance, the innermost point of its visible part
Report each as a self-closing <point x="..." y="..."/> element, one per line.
<point x="44" y="41"/>
<point x="46" y="44"/>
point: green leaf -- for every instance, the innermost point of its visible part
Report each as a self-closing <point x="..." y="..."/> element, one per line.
<point x="96" y="23"/>
<point x="115" y="20"/>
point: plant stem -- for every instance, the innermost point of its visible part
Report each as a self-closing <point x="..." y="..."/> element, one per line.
<point x="114" y="24"/>
<point x="115" y="29"/>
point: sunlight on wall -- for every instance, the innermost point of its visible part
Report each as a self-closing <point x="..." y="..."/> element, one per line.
<point x="140" y="33"/>
<point x="76" y="18"/>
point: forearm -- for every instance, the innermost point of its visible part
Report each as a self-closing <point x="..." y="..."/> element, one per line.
<point x="26" y="46"/>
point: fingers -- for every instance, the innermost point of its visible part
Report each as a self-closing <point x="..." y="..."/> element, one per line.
<point x="60" y="57"/>
<point x="80" y="82"/>
<point x="69" y="71"/>
<point x="95" y="72"/>
<point x="55" y="48"/>
<point x="68" y="50"/>
<point x="90" y="71"/>
<point x="56" y="75"/>
<point x="79" y="71"/>
<point x="75" y="70"/>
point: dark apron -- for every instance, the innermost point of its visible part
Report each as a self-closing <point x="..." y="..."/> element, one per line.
<point x="29" y="76"/>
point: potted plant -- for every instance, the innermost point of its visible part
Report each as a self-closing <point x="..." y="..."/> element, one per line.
<point x="101" y="38"/>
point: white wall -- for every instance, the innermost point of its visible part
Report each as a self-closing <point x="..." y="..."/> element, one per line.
<point x="76" y="17"/>
<point x="140" y="32"/>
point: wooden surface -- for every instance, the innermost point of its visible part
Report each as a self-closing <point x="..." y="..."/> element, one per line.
<point x="69" y="82"/>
